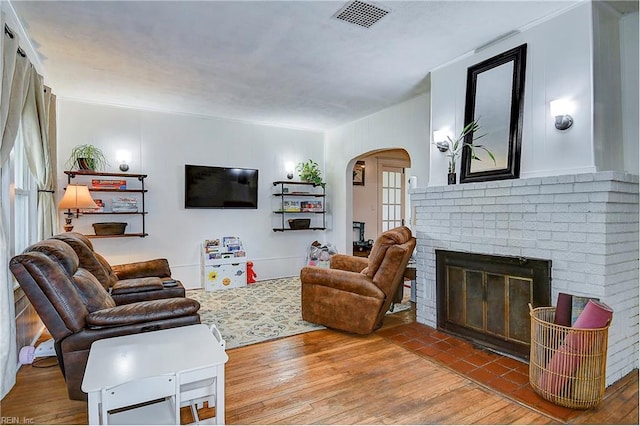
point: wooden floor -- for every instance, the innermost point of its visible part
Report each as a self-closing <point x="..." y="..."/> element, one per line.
<point x="328" y="377"/>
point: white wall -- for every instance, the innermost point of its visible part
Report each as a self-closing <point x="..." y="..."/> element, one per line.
<point x="629" y="57"/>
<point x="558" y="66"/>
<point x="405" y="126"/>
<point x="161" y="144"/>
<point x="607" y="118"/>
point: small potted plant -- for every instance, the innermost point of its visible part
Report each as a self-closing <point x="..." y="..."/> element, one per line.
<point x="87" y="157"/>
<point x="455" y="149"/>
<point x="310" y="172"/>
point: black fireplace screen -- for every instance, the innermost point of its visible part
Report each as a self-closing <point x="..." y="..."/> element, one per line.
<point x="485" y="298"/>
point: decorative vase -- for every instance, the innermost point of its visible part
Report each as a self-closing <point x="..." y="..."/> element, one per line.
<point x="451" y="178"/>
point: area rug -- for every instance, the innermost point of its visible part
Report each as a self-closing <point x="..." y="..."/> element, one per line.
<point x="259" y="312"/>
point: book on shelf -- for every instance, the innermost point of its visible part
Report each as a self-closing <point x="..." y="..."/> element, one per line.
<point x="108" y="184"/>
<point x="99" y="209"/>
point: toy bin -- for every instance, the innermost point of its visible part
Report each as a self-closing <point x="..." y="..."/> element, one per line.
<point x="223" y="264"/>
<point x="223" y="276"/>
<point x="567" y="365"/>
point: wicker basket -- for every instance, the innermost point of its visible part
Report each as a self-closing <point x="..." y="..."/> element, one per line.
<point x="109" y="228"/>
<point x="299" y="223"/>
<point x="567" y="365"/>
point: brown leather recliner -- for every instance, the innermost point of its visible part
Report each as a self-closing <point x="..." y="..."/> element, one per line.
<point x="131" y="282"/>
<point x="77" y="310"/>
<point x="355" y="293"/>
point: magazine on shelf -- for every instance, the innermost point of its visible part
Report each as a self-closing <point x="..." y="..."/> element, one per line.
<point x="229" y="247"/>
<point x="124" y="205"/>
<point x="291" y="206"/>
<point x="311" y="206"/>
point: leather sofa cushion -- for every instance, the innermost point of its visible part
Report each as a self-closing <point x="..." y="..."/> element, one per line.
<point x="345" y="262"/>
<point x="94" y="296"/>
<point x="134" y="313"/>
<point x="58" y="252"/>
<point x="338" y="280"/>
<point x="87" y="258"/>
<point x="51" y="291"/>
<point x="387" y="239"/>
<point x="111" y="276"/>
<point x="146" y="268"/>
<point x="137" y="285"/>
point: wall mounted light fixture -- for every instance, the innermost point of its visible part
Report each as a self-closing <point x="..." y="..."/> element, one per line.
<point x="75" y="197"/>
<point x="124" y="158"/>
<point x="290" y="168"/>
<point x="560" y="110"/>
<point x="440" y="138"/>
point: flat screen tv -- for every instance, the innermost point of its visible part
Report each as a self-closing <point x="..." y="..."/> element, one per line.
<point x="207" y="187"/>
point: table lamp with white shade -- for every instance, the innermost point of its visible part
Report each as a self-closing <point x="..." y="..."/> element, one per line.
<point x="75" y="197"/>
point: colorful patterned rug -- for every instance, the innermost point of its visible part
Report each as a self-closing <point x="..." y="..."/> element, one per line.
<point x="266" y="310"/>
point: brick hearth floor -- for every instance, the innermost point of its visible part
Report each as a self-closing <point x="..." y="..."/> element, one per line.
<point x="500" y="373"/>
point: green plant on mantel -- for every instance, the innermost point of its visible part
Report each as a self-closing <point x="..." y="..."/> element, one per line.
<point x="456" y="147"/>
<point x="310" y="172"/>
<point x="87" y="157"/>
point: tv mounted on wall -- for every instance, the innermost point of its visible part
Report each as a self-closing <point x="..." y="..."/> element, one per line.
<point x="207" y="187"/>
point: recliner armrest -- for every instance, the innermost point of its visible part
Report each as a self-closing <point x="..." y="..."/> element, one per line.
<point x="352" y="282"/>
<point x="148" y="268"/>
<point x="141" y="312"/>
<point x="136" y="285"/>
<point x="345" y="262"/>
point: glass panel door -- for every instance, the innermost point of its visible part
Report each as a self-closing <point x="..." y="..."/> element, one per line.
<point x="392" y="196"/>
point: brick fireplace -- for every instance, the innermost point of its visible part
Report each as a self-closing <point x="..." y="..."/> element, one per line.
<point x="585" y="224"/>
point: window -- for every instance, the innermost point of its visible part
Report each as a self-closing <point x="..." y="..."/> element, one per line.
<point x="18" y="194"/>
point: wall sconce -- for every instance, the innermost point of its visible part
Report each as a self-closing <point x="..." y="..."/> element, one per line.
<point x="124" y="158"/>
<point x="440" y="138"/>
<point x="290" y="168"/>
<point x="560" y="109"/>
<point x="75" y="197"/>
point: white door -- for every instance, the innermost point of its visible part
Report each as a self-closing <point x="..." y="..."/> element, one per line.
<point x="392" y="197"/>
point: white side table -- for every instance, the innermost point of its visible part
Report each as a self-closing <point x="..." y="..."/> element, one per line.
<point x="191" y="352"/>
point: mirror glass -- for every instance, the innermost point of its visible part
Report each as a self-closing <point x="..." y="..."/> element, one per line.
<point x="493" y="110"/>
<point x="495" y="91"/>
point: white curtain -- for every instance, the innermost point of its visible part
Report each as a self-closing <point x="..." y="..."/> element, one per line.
<point x="13" y="93"/>
<point x="8" y="361"/>
<point x="36" y="122"/>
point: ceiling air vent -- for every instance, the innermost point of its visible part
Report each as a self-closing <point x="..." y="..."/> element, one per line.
<point x="361" y="13"/>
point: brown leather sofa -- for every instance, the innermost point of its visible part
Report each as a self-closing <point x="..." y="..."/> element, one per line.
<point x="127" y="283"/>
<point x="77" y="310"/>
<point x="355" y="293"/>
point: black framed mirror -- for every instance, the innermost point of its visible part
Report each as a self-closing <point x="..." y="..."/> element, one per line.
<point x="495" y="97"/>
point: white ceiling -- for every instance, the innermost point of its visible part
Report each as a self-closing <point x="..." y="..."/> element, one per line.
<point x="283" y="63"/>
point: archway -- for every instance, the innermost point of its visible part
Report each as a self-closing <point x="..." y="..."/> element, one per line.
<point x="379" y="197"/>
